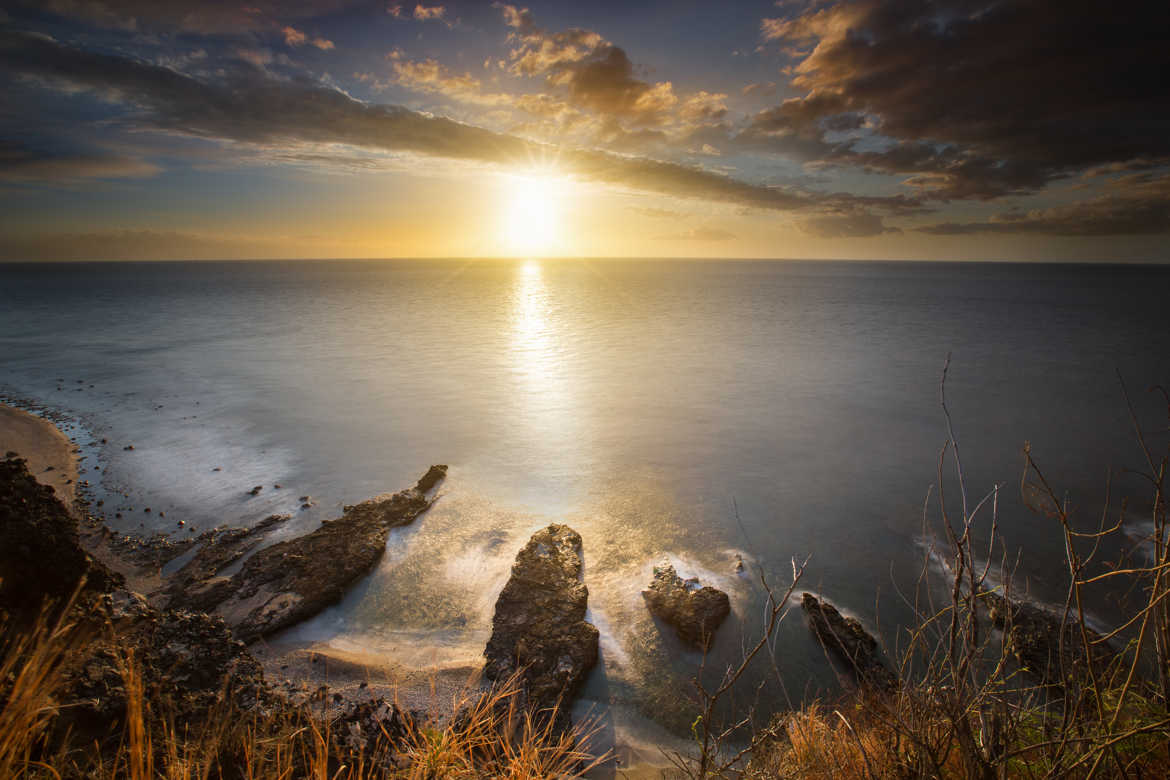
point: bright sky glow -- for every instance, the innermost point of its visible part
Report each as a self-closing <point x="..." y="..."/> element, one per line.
<point x="532" y="215"/>
<point x="457" y="128"/>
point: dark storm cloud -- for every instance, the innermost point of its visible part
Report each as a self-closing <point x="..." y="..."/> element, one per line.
<point x="976" y="99"/>
<point x="252" y="107"/>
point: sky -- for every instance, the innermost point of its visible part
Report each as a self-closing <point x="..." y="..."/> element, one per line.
<point x="903" y="129"/>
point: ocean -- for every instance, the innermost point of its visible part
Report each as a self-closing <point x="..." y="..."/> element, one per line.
<point x="682" y="410"/>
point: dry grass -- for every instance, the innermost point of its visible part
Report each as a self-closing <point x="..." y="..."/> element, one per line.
<point x="495" y="737"/>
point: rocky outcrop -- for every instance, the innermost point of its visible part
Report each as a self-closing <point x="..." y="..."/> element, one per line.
<point x="189" y="665"/>
<point x="1046" y="646"/>
<point x="198" y="584"/>
<point x="292" y="580"/>
<point x="696" y="611"/>
<point x="539" y="626"/>
<point x="41" y="558"/>
<point x="848" y="640"/>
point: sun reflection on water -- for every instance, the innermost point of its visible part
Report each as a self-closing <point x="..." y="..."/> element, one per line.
<point x="538" y="360"/>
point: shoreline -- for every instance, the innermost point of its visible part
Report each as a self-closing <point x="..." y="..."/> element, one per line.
<point x="332" y="678"/>
<point x="52" y="457"/>
<point x="297" y="667"/>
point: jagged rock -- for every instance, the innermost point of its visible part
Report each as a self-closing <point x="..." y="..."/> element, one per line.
<point x="539" y="623"/>
<point x="696" y="611"/>
<point x="188" y="663"/>
<point x="196" y="585"/>
<point x="850" y="642"/>
<point x="364" y="728"/>
<point x="295" y="579"/>
<point x="1036" y="636"/>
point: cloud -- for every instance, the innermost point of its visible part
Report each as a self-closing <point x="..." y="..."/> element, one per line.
<point x="294" y="37"/>
<point x="132" y="245"/>
<point x="198" y="16"/>
<point x="845" y="226"/>
<point x="22" y="165"/>
<point x="252" y="108"/>
<point x="658" y="213"/>
<point x="1138" y="204"/>
<point x="703" y="107"/>
<point x="595" y="74"/>
<point x="699" y="234"/>
<point x="425" y="13"/>
<point x="762" y="89"/>
<point x="972" y="99"/>
<point x="432" y="77"/>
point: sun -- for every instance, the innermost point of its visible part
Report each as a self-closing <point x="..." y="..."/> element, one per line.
<point x="532" y="214"/>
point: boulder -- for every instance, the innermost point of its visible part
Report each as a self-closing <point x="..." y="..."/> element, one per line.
<point x="696" y="611"/>
<point x="1049" y="648"/>
<point x="539" y="627"/>
<point x="848" y="640"/>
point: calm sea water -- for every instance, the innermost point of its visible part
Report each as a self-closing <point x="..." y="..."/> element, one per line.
<point x="635" y="400"/>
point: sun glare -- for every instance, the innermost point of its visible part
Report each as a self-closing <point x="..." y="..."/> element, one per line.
<point x="532" y="214"/>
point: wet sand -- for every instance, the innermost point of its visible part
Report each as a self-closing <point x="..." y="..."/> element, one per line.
<point x="49" y="452"/>
<point x="306" y="666"/>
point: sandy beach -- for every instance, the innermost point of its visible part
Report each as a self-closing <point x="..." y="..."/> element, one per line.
<point x="49" y="452"/>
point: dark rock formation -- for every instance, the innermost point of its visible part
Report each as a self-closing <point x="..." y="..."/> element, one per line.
<point x="197" y="585"/>
<point x="1050" y="649"/>
<point x="847" y="639"/>
<point x="539" y="624"/>
<point x="295" y="579"/>
<point x="696" y="611"/>
<point x="189" y="664"/>
<point x="40" y="550"/>
<point x="364" y="727"/>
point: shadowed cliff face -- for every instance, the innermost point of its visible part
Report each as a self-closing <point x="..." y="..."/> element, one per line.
<point x="41" y="558"/>
<point x="539" y="627"/>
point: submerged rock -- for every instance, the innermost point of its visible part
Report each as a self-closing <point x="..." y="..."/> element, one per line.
<point x="539" y="626"/>
<point x="295" y="579"/>
<point x="850" y="642"/>
<point x="1046" y="646"/>
<point x="696" y="611"/>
